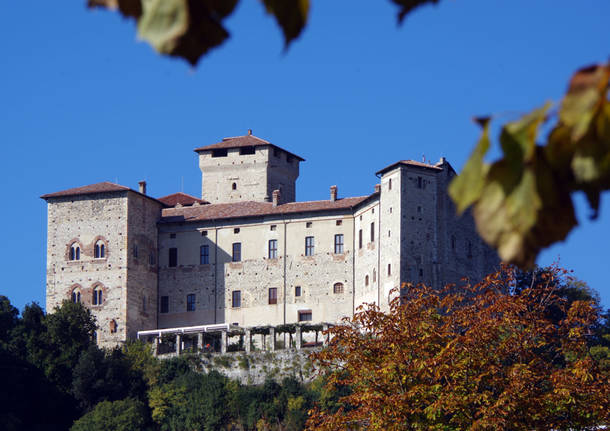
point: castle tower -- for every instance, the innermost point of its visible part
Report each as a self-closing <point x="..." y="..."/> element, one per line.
<point x="247" y="168"/>
<point x="102" y="252"/>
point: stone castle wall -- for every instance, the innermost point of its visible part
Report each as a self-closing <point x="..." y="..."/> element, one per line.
<point x="248" y="177"/>
<point x="83" y="220"/>
<point x="142" y="281"/>
<point x="213" y="283"/>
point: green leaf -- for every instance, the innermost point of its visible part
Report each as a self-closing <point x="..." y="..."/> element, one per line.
<point x="185" y="28"/>
<point x="507" y="210"/>
<point x="163" y="23"/>
<point x="407" y="6"/>
<point x="586" y="93"/>
<point x="181" y="28"/>
<point x="466" y="188"/>
<point x="291" y="15"/>
<point x="518" y="139"/>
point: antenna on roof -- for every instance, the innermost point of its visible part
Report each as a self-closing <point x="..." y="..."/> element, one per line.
<point x="423" y="158"/>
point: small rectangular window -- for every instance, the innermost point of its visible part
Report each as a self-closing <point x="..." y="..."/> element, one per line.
<point x="372" y="232"/>
<point x="297" y="290"/>
<point x="273" y="295"/>
<point x="418" y="210"/>
<point x="276" y="153"/>
<point x="339" y="243"/>
<point x="164" y="304"/>
<point x="308" y="224"/>
<point x="219" y="152"/>
<point x="173" y="257"/>
<point x="236" y="299"/>
<point x="204" y="254"/>
<point x="236" y="252"/>
<point x="272" y="249"/>
<point x="273" y="227"/>
<point x="305" y="316"/>
<point x="309" y="245"/>
<point x="389" y="269"/>
<point x="338" y="287"/>
<point x="151" y="258"/>
<point x="172" y="235"/>
<point x="246" y="150"/>
<point x="339" y="222"/>
<point x="135" y="250"/>
<point x="390" y="184"/>
<point x="204" y="233"/>
<point x="420" y="182"/>
<point x="190" y="302"/>
<point x="236" y="230"/>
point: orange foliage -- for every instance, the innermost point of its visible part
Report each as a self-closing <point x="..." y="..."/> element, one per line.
<point x="474" y="358"/>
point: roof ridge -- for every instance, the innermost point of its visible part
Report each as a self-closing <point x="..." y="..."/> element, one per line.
<point x="229" y="138"/>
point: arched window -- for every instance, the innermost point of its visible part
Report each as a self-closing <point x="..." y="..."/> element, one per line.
<point x="234" y="186"/>
<point x="98" y="297"/>
<point x="374" y="275"/>
<point x="76" y="296"/>
<point x="74" y="252"/>
<point x="338" y="288"/>
<point x="366" y="280"/>
<point x="113" y="326"/>
<point x="99" y="251"/>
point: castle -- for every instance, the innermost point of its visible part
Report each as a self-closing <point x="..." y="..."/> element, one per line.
<point x="247" y="252"/>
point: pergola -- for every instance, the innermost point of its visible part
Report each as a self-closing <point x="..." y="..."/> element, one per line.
<point x="223" y="332"/>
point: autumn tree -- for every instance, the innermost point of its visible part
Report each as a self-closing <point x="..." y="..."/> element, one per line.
<point x="478" y="358"/>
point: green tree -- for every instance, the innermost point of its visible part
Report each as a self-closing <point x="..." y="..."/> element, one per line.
<point x="28" y="400"/>
<point x="69" y="331"/>
<point x="105" y="376"/>
<point x="8" y="319"/>
<point x="190" y="400"/>
<point x="124" y="415"/>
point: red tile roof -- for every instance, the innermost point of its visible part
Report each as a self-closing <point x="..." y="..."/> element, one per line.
<point x="243" y="141"/>
<point x="103" y="187"/>
<point x="180" y="198"/>
<point x="253" y="209"/>
<point x="409" y="163"/>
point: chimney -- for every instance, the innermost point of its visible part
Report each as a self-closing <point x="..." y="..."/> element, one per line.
<point x="276" y="198"/>
<point x="442" y="161"/>
<point x="333" y="193"/>
<point x="249" y="132"/>
<point x="377" y="188"/>
<point x="142" y="185"/>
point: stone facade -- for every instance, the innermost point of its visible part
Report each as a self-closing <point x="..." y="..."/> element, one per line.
<point x="253" y="256"/>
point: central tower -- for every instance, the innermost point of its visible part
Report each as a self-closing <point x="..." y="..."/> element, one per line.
<point x="247" y="168"/>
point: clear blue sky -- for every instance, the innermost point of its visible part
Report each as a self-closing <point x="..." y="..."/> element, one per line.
<point x="82" y="101"/>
